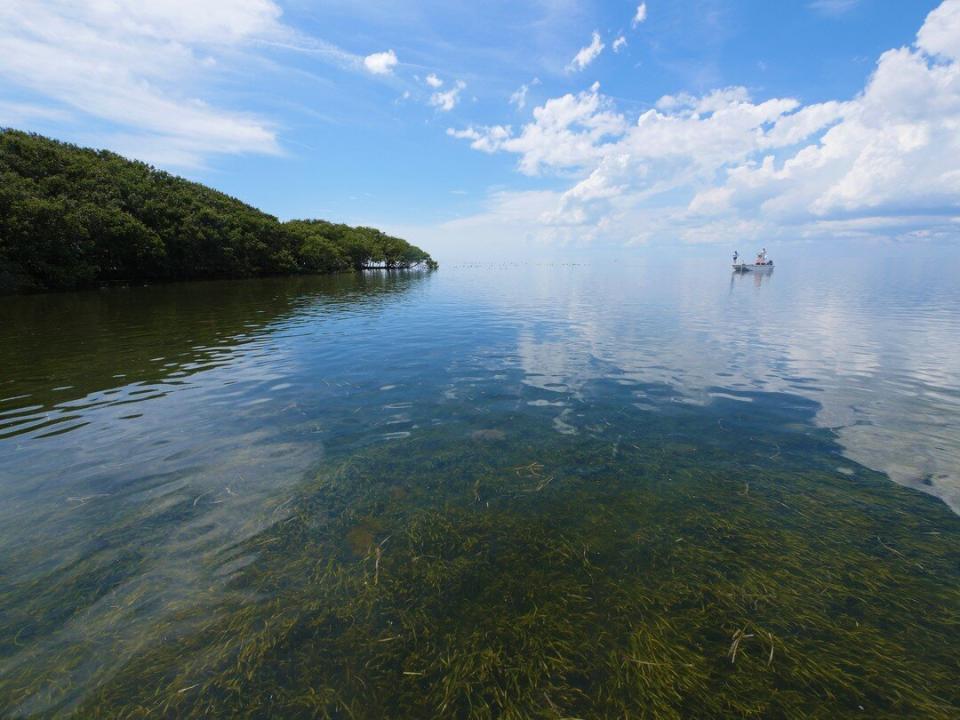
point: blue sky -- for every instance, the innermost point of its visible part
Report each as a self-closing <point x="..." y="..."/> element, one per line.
<point x="487" y="128"/>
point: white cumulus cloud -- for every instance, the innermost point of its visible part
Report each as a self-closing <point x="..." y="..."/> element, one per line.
<point x="619" y="44"/>
<point x="381" y="63"/>
<point x="940" y="34"/>
<point x="487" y="139"/>
<point x="447" y="101"/>
<point x="640" y="15"/>
<point x="588" y="54"/>
<point x="714" y="165"/>
<point x="567" y="132"/>
<point x="519" y="96"/>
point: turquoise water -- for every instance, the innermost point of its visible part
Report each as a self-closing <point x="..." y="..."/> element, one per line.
<point x="558" y="489"/>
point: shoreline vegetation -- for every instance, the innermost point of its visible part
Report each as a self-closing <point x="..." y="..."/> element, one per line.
<point x="73" y="218"/>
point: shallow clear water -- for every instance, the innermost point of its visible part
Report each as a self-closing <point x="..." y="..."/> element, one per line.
<point x="157" y="445"/>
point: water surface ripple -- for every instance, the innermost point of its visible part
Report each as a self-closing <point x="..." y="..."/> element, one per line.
<point x="151" y="437"/>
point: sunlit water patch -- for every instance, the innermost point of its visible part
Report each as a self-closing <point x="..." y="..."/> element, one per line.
<point x="548" y="491"/>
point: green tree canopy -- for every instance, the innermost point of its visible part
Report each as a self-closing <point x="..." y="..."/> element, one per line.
<point x="72" y="217"/>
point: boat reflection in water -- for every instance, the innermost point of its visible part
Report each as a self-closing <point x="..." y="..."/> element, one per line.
<point x="759" y="277"/>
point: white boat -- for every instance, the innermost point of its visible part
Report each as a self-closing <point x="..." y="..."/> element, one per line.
<point x="753" y="267"/>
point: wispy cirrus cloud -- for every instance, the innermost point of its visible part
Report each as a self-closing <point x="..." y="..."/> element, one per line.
<point x="16" y="113"/>
<point x="834" y="7"/>
<point x="145" y="68"/>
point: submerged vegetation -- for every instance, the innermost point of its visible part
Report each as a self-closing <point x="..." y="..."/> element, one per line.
<point x="73" y="218"/>
<point x="492" y="568"/>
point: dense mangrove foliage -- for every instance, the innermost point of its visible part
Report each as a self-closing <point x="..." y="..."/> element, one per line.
<point x="72" y="217"/>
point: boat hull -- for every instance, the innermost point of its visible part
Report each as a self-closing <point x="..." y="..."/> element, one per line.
<point x="745" y="267"/>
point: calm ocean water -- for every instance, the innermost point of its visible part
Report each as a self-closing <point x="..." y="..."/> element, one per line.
<point x="154" y="441"/>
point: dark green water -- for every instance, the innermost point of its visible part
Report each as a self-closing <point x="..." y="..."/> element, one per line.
<point x="546" y="491"/>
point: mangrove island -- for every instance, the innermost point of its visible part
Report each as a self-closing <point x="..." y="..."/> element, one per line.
<point x="74" y="218"/>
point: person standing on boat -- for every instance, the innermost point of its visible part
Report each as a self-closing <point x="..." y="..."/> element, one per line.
<point x="736" y="256"/>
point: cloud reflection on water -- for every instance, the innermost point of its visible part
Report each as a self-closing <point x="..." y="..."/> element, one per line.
<point x="881" y="358"/>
